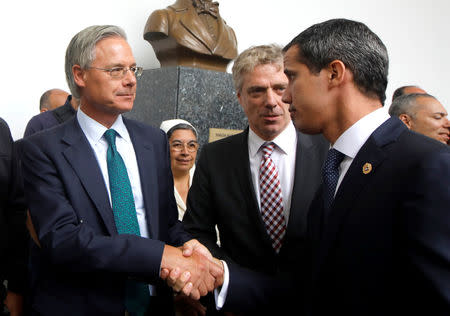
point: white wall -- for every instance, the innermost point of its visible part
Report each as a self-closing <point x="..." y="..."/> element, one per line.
<point x="35" y="35"/>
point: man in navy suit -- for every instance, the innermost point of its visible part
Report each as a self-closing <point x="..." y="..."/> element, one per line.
<point x="53" y="116"/>
<point x="84" y="265"/>
<point x="380" y="243"/>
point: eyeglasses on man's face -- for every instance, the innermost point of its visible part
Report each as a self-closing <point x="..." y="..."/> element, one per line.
<point x="120" y="72"/>
<point x="191" y="146"/>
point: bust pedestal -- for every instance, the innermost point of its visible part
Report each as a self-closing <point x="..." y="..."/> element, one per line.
<point x="205" y="98"/>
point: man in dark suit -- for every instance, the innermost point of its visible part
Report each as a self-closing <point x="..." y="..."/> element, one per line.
<point x="13" y="234"/>
<point x="194" y="33"/>
<point x="379" y="227"/>
<point x="226" y="187"/>
<point x="52" y="117"/>
<point x="100" y="195"/>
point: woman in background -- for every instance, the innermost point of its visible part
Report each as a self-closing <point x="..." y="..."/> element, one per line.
<point x="183" y="152"/>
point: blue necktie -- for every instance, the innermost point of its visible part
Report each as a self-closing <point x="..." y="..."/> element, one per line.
<point x="137" y="293"/>
<point x="330" y="175"/>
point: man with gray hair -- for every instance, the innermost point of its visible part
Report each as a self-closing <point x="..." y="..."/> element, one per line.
<point x="260" y="231"/>
<point x="100" y="194"/>
<point x="424" y="114"/>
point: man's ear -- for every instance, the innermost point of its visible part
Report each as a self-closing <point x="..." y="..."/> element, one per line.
<point x="336" y="72"/>
<point x="78" y="75"/>
<point x="405" y="118"/>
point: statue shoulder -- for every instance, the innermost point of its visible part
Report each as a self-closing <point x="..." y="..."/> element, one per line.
<point x="158" y="22"/>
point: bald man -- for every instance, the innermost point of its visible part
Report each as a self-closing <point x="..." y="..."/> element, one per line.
<point x="424" y="114"/>
<point x="51" y="99"/>
<point x="406" y="90"/>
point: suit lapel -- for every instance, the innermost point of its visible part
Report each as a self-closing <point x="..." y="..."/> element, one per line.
<point x="145" y="157"/>
<point x="193" y="24"/>
<point x="82" y="158"/>
<point x="356" y="181"/>
<point x="304" y="157"/>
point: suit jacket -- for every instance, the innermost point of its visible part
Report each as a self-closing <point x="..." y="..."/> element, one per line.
<point x="222" y="193"/>
<point x="13" y="233"/>
<point x="83" y="264"/>
<point x="51" y="118"/>
<point x="181" y="22"/>
<point x="385" y="247"/>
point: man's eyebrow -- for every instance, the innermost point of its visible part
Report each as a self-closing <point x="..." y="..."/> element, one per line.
<point x="256" y="89"/>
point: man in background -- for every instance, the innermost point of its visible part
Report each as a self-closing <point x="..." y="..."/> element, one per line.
<point x="258" y="230"/>
<point x="51" y="99"/>
<point x="13" y="234"/>
<point x="406" y="90"/>
<point x="424" y="114"/>
<point x="59" y="111"/>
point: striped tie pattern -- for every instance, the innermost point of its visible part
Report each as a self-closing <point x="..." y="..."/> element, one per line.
<point x="137" y="295"/>
<point x="271" y="197"/>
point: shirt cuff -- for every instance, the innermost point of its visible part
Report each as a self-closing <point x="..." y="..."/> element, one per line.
<point x="220" y="295"/>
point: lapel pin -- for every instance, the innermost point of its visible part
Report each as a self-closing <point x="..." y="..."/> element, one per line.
<point x="367" y="168"/>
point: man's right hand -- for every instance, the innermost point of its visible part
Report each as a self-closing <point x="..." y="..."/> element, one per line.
<point x="196" y="278"/>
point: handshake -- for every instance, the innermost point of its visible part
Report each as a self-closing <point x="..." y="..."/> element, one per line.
<point x="191" y="269"/>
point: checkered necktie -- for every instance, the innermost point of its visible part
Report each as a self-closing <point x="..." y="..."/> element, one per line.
<point x="137" y="294"/>
<point x="271" y="197"/>
<point x="330" y="174"/>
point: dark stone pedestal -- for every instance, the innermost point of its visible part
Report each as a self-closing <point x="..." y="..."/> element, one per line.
<point x="205" y="98"/>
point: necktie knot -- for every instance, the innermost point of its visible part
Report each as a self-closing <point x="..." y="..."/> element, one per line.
<point x="334" y="159"/>
<point x="110" y="136"/>
<point x="267" y="149"/>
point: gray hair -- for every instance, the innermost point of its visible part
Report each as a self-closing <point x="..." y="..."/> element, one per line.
<point x="407" y="104"/>
<point x="81" y="50"/>
<point x="351" y="42"/>
<point x="255" y="56"/>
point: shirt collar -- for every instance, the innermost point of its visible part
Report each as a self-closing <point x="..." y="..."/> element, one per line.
<point x="94" y="130"/>
<point x="283" y="141"/>
<point x="351" y="141"/>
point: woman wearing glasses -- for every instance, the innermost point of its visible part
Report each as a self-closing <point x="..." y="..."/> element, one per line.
<point x="183" y="152"/>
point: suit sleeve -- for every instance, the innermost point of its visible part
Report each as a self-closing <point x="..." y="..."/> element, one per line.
<point x="427" y="214"/>
<point x="14" y="214"/>
<point x="68" y="242"/>
<point x="256" y="293"/>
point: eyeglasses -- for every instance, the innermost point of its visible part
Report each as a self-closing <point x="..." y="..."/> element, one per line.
<point x="120" y="72"/>
<point x="191" y="146"/>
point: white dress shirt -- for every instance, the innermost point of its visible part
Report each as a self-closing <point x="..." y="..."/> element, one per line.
<point x="94" y="133"/>
<point x="351" y="141"/>
<point x="283" y="156"/>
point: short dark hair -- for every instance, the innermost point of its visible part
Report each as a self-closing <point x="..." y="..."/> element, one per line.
<point x="401" y="91"/>
<point x="43" y="101"/>
<point x="407" y="104"/>
<point x="351" y="42"/>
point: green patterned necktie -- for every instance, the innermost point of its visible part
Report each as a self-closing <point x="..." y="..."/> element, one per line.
<point x="137" y="293"/>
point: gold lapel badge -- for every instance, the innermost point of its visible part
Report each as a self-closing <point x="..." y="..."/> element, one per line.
<point x="367" y="168"/>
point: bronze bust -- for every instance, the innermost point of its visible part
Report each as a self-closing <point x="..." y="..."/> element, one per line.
<point x="191" y="33"/>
